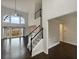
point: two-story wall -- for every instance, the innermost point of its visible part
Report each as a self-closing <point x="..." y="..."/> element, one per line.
<point x="53" y="9"/>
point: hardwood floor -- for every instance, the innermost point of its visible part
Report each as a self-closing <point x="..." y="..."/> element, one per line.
<point x="40" y="56"/>
<point x="54" y="53"/>
<point x="68" y="51"/>
<point x="14" y="48"/>
<point x="63" y="51"/>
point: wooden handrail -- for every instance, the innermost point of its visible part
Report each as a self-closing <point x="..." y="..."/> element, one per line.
<point x="33" y="30"/>
<point x="37" y="33"/>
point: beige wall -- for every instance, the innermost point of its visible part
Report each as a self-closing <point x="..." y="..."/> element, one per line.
<point x="69" y="30"/>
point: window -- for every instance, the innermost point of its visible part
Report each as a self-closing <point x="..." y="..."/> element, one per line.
<point x="14" y="20"/>
<point x="22" y="20"/>
<point x="13" y="31"/>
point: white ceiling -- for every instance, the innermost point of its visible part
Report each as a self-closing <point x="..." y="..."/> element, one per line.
<point x="22" y="5"/>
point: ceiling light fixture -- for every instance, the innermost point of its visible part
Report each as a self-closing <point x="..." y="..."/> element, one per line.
<point x="15" y="9"/>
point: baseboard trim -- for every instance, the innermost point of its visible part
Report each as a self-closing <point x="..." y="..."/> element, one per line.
<point x="57" y="43"/>
<point x="41" y="55"/>
<point x="68" y="43"/>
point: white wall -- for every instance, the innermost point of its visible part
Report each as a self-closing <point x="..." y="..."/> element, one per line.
<point x="52" y="9"/>
<point x="68" y="33"/>
<point x="53" y="27"/>
<point x="37" y="21"/>
<point x="70" y="28"/>
<point x="38" y="4"/>
<point x="55" y="8"/>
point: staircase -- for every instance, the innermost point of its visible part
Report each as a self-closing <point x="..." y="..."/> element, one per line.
<point x="35" y="35"/>
<point x="34" y="38"/>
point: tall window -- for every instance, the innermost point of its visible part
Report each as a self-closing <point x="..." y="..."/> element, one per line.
<point x="13" y="31"/>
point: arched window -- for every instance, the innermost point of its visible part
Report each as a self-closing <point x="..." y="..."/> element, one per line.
<point x="14" y="20"/>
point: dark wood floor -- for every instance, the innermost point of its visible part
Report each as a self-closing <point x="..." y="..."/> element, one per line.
<point x="41" y="56"/>
<point x="61" y="51"/>
<point x="14" y="48"/>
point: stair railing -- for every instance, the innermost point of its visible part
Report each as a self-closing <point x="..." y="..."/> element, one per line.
<point x="40" y="31"/>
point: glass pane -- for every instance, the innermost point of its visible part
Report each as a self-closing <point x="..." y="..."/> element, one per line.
<point x="15" y="20"/>
<point x="15" y="32"/>
<point x="12" y="32"/>
<point x="6" y="32"/>
<point x="21" y="31"/>
<point x="22" y="21"/>
<point x="2" y="31"/>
